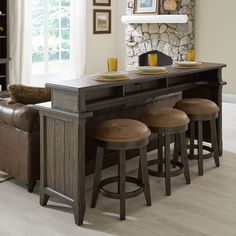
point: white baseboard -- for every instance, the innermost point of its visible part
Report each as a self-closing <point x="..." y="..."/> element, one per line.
<point x="229" y="98"/>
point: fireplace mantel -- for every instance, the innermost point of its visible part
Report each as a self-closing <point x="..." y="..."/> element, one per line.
<point x="142" y="19"/>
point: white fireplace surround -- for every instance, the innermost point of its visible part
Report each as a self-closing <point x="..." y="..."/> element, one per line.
<point x="152" y="19"/>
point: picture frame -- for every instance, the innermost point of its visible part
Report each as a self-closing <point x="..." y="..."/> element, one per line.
<point x="146" y="6"/>
<point x="101" y="21"/>
<point x="102" y="2"/>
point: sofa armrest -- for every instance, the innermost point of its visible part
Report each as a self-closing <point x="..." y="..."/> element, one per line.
<point x="23" y="117"/>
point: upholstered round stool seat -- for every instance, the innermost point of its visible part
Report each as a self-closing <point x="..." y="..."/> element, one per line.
<point x="167" y="122"/>
<point x="122" y="135"/>
<point x="201" y="110"/>
<point x="197" y="106"/>
<point x="122" y="130"/>
<point x="164" y="117"/>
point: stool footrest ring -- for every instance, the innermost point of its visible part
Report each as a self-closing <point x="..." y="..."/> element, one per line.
<point x="204" y="156"/>
<point x="173" y="173"/>
<point x="116" y="195"/>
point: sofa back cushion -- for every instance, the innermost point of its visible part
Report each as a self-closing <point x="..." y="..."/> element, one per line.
<point x="19" y="116"/>
<point x="28" y="95"/>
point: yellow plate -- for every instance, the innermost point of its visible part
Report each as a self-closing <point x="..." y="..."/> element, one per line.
<point x="151" y="68"/>
<point x="111" y="79"/>
<point x="187" y="67"/>
<point x="187" y="63"/>
<point x="149" y="73"/>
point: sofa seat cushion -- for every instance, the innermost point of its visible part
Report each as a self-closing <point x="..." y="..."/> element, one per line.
<point x="20" y="116"/>
<point x="29" y="95"/>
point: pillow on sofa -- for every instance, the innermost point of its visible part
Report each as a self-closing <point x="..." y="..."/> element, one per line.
<point x="28" y="95"/>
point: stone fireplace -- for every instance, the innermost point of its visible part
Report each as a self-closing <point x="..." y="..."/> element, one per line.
<point x="173" y="39"/>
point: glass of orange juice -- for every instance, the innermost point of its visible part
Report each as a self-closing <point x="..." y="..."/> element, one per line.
<point x="112" y="64"/>
<point x="191" y="55"/>
<point x="152" y="59"/>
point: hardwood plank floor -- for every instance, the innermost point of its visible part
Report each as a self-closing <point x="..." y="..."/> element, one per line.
<point x="206" y="207"/>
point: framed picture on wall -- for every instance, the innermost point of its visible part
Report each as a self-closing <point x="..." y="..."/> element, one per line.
<point x="101" y="21"/>
<point x="102" y="2"/>
<point x="146" y="6"/>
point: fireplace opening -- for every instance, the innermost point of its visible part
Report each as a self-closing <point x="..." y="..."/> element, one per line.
<point x="162" y="59"/>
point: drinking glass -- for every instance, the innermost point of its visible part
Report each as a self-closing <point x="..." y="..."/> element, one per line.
<point x="112" y="64"/>
<point x="191" y="55"/>
<point x="152" y="59"/>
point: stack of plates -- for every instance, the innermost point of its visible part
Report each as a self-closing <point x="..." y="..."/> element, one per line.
<point x="187" y="64"/>
<point x="150" y="70"/>
<point x="111" y="76"/>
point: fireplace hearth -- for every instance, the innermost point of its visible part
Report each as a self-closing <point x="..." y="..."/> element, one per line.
<point x="162" y="59"/>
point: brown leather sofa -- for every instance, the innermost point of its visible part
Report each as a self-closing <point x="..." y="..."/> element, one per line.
<point x="19" y="142"/>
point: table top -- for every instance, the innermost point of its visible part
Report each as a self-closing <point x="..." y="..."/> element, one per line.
<point x="88" y="83"/>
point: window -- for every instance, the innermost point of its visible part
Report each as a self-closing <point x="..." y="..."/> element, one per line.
<point x="50" y="38"/>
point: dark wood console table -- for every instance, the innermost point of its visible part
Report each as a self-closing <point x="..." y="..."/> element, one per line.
<point x="67" y="146"/>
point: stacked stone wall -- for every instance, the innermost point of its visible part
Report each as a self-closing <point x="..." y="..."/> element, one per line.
<point x="172" y="39"/>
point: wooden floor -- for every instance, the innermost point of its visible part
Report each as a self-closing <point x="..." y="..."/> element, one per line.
<point x="206" y="207"/>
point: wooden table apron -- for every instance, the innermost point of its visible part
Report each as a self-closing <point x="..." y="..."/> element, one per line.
<point x="63" y="122"/>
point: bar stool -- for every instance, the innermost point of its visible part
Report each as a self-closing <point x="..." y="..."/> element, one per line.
<point x="164" y="122"/>
<point x="121" y="135"/>
<point x="201" y="110"/>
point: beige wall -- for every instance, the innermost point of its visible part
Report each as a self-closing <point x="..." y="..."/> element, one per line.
<point x="216" y="36"/>
<point x="100" y="47"/>
<point x="121" y="8"/>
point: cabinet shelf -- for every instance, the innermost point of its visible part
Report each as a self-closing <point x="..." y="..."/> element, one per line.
<point x="3" y="37"/>
<point x="3" y="14"/>
<point x="4" y="94"/>
<point x="4" y="60"/>
<point x="2" y="76"/>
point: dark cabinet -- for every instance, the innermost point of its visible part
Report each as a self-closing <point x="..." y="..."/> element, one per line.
<point x="4" y="44"/>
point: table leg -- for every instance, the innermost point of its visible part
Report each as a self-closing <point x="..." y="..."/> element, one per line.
<point x="79" y="152"/>
<point x="43" y="177"/>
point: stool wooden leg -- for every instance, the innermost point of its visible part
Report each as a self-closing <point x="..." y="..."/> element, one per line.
<point x="184" y="157"/>
<point x="122" y="185"/>
<point x="167" y="165"/>
<point x="192" y="136"/>
<point x="139" y="169"/>
<point x="215" y="143"/>
<point x="200" y="149"/>
<point x="160" y="153"/>
<point x="176" y="151"/>
<point x="97" y="176"/>
<point x="145" y="177"/>
<point x="118" y="174"/>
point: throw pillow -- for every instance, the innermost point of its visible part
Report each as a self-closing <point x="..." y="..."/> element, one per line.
<point x="28" y="95"/>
